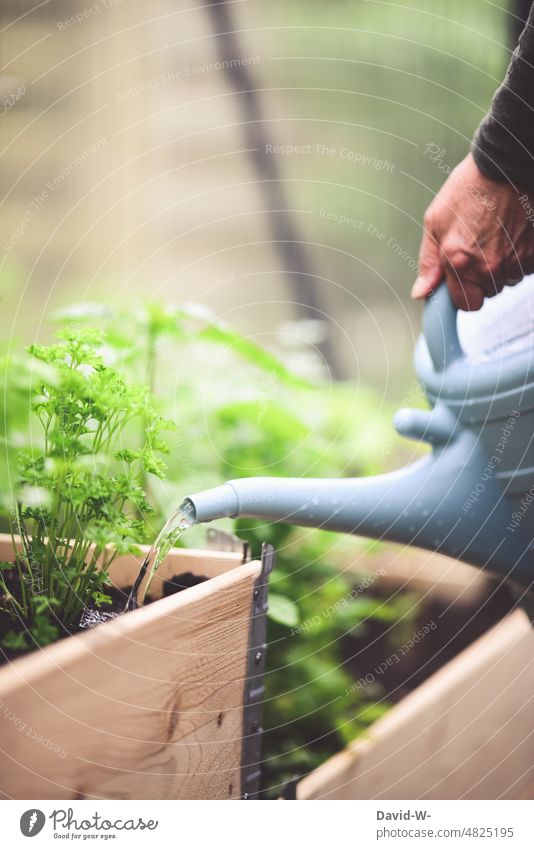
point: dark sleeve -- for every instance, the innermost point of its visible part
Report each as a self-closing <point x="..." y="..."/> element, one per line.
<point x="503" y="146"/>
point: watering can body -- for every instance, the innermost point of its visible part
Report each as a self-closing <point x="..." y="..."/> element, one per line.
<point x="469" y="498"/>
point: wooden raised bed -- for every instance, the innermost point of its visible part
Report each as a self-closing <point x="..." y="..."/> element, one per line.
<point x="467" y="732"/>
<point x="156" y="704"/>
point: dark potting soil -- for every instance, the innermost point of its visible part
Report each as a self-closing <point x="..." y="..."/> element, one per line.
<point x="93" y="616"/>
<point x="445" y="629"/>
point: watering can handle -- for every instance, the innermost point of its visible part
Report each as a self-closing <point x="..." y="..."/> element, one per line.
<point x="440" y="328"/>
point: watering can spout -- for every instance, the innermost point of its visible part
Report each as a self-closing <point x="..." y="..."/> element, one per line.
<point x="367" y="506"/>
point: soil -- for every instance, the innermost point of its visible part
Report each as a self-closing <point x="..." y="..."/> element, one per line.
<point x="456" y="627"/>
<point x="93" y="616"/>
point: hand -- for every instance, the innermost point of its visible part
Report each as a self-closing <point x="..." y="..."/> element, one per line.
<point x="478" y="234"/>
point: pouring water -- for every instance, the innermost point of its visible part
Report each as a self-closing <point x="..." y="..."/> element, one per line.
<point x="167" y="538"/>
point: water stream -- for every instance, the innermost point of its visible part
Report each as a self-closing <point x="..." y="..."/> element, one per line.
<point x="167" y="538"/>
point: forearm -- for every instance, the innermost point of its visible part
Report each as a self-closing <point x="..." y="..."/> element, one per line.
<point x="503" y="146"/>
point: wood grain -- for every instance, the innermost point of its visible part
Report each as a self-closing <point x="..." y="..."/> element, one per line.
<point x="147" y="706"/>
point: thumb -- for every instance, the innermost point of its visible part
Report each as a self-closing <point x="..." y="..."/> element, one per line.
<point x="430" y="268"/>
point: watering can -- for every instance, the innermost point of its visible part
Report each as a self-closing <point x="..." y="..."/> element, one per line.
<point x="472" y="496"/>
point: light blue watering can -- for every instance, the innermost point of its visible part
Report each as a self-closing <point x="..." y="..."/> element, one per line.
<point x="472" y="497"/>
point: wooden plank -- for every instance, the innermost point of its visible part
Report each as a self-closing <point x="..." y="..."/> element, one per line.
<point x="125" y="568"/>
<point x="145" y="706"/>
<point x="467" y="732"/>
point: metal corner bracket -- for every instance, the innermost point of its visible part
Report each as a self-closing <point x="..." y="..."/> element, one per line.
<point x="254" y="685"/>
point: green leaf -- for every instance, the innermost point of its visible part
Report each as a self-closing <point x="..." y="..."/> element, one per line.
<point x="12" y="640"/>
<point x="219" y="333"/>
<point x="153" y="464"/>
<point x="41" y="603"/>
<point x="283" y="610"/>
<point x="100" y="598"/>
